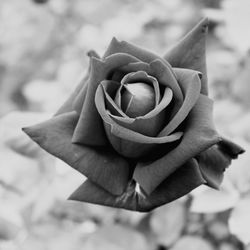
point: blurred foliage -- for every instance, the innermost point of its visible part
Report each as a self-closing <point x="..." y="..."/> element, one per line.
<point x="43" y="47"/>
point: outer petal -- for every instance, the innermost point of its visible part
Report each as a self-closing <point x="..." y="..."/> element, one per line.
<point x="131" y="67"/>
<point x="131" y="49"/>
<point x="189" y="82"/>
<point x="81" y="88"/>
<point x="68" y="105"/>
<point x="89" y="129"/>
<point x="92" y="193"/>
<point x="216" y="159"/>
<point x="190" y="52"/>
<point x="98" y="165"/>
<point x="199" y="135"/>
<point x="176" y="185"/>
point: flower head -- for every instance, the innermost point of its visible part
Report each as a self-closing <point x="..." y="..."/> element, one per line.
<point x="140" y="120"/>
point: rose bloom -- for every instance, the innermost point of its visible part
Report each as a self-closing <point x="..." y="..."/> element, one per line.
<point x="139" y="126"/>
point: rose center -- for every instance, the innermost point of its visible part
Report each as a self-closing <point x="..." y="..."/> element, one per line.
<point x="137" y="99"/>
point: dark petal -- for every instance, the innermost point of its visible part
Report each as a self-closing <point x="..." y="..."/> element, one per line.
<point x="214" y="161"/>
<point x="190" y="84"/>
<point x="176" y="185"/>
<point x="230" y="148"/>
<point x="125" y="140"/>
<point x="68" y="106"/>
<point x="199" y="135"/>
<point x="89" y="129"/>
<point x="80" y="98"/>
<point x="166" y="77"/>
<point x="110" y="88"/>
<point x="190" y="52"/>
<point x="98" y="164"/>
<point x="131" y="49"/>
<point x="92" y="193"/>
<point x="134" y="67"/>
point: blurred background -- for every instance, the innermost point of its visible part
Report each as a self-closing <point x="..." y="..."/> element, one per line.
<point x="43" y="55"/>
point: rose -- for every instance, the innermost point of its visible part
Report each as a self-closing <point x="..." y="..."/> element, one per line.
<point x="140" y="127"/>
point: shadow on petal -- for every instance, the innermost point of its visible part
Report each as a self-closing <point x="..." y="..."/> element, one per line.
<point x="131" y="67"/>
<point x="199" y="135"/>
<point x="166" y="77"/>
<point x="190" y="84"/>
<point x="178" y="184"/>
<point x="175" y="186"/>
<point x="98" y="164"/>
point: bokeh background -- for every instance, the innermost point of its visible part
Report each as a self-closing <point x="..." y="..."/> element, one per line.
<point x="43" y="55"/>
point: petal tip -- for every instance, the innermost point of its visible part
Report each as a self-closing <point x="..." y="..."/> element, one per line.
<point x="92" y="53"/>
<point x="27" y="131"/>
<point x="202" y="25"/>
<point x="72" y="197"/>
<point x="114" y="40"/>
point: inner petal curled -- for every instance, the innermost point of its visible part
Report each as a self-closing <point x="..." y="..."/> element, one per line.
<point x="137" y="99"/>
<point x="139" y="93"/>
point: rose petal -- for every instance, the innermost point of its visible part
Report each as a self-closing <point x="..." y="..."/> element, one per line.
<point x="124" y="133"/>
<point x="131" y="49"/>
<point x="80" y="97"/>
<point x="142" y="76"/>
<point x="89" y="129"/>
<point x="92" y="193"/>
<point x="212" y="163"/>
<point x="176" y="185"/>
<point x="200" y="134"/>
<point x="125" y="141"/>
<point x="69" y="105"/>
<point x="216" y="159"/>
<point x="190" y="84"/>
<point x="166" y="77"/>
<point x="230" y="148"/>
<point x="151" y="123"/>
<point x="98" y="165"/>
<point x="131" y="67"/>
<point x="190" y="52"/>
<point x="109" y="89"/>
